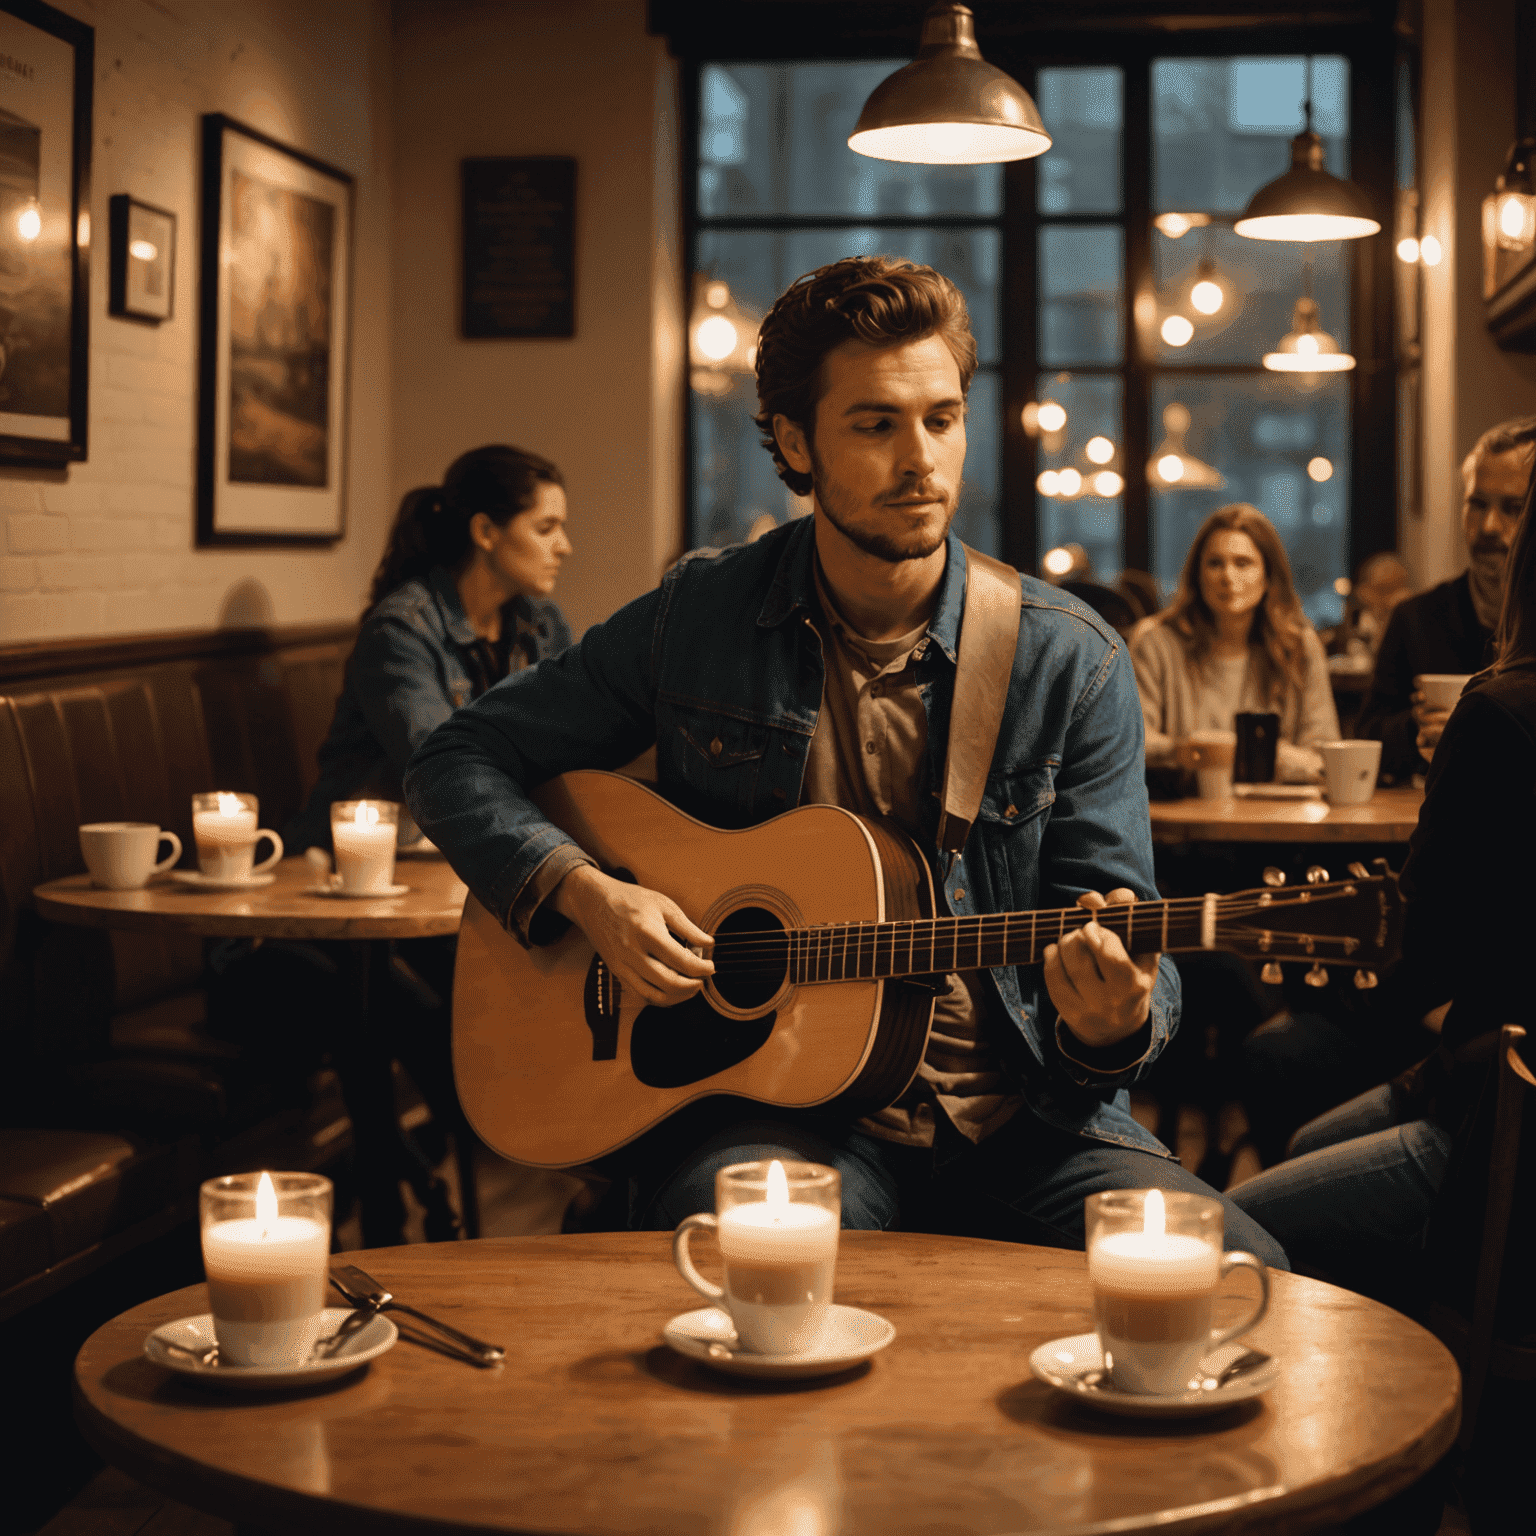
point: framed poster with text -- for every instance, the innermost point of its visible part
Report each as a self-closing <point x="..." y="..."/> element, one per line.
<point x="519" y="247"/>
<point x="46" y="69"/>
<point x="273" y="341"/>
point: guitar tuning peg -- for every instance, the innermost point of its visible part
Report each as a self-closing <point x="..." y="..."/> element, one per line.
<point x="1271" y="974"/>
<point x="1365" y="980"/>
<point x="1316" y="874"/>
<point x="1316" y="977"/>
<point x="1273" y="876"/>
<point x="1359" y="871"/>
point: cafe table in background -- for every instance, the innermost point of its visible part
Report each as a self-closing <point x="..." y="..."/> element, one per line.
<point x="1388" y="817"/>
<point x="594" y="1427"/>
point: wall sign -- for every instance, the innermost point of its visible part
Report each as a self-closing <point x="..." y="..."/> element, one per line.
<point x="519" y="247"/>
<point x="142" y="261"/>
<point x="46" y="69"/>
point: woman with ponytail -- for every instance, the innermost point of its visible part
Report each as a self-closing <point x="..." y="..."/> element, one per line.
<point x="460" y="600"/>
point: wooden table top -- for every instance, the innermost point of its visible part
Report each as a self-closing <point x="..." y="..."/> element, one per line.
<point x="282" y="910"/>
<point x="593" y="1426"/>
<point x="1388" y="817"/>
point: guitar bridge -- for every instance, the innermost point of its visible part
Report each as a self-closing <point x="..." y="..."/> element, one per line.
<point x="600" y="999"/>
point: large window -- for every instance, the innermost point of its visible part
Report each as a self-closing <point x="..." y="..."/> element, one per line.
<point x="1092" y="275"/>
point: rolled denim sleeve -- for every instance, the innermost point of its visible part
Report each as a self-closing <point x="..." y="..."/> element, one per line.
<point x="1100" y="837"/>
<point x="468" y="785"/>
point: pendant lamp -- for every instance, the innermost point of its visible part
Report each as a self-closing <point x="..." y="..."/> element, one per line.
<point x="949" y="106"/>
<point x="1307" y="203"/>
<point x="1307" y="347"/>
<point x="1172" y="466"/>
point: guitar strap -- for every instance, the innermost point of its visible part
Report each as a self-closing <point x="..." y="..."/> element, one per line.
<point x="989" y="635"/>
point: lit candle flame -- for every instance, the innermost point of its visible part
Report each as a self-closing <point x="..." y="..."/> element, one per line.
<point x="1154" y="1214"/>
<point x="266" y="1203"/>
<point x="229" y="805"/>
<point x="365" y="815"/>
<point x="778" y="1186"/>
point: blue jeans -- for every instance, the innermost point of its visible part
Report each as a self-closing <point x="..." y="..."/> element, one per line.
<point x="1026" y="1183"/>
<point x="1356" y="1192"/>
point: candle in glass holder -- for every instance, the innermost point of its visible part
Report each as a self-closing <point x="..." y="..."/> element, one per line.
<point x="224" y="826"/>
<point x="266" y="1245"/>
<point x="363" y="836"/>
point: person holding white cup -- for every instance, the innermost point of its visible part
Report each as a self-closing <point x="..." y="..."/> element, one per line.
<point x="1234" y="640"/>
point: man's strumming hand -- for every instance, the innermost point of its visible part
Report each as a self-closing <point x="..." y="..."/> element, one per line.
<point x="637" y="933"/>
<point x="1102" y="994"/>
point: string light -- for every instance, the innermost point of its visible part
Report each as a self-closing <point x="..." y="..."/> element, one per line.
<point x="1051" y="416"/>
<point x="1099" y="450"/>
<point x="1177" y="330"/>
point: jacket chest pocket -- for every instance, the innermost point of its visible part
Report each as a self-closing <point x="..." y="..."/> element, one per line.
<point x="717" y="758"/>
<point x="1015" y="810"/>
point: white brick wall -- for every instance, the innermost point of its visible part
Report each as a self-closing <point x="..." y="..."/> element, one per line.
<point x="107" y="547"/>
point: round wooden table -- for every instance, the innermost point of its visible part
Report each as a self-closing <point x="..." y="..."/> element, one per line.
<point x="282" y="910"/>
<point x="1388" y="817"/>
<point x="593" y="1426"/>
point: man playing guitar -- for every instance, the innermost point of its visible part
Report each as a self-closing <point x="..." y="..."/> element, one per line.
<point x="818" y="665"/>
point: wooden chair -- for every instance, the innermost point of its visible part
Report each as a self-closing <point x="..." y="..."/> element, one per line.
<point x="1478" y="1346"/>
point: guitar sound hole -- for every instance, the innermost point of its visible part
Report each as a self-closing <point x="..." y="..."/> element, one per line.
<point x="751" y="957"/>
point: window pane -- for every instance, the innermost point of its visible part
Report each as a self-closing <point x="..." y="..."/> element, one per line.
<point x="1082" y="278"/>
<point x="1080" y="513"/>
<point x="1270" y="438"/>
<point x="979" y="521"/>
<point x="1221" y="128"/>
<point x="760" y="264"/>
<point x="773" y="139"/>
<point x="1081" y="171"/>
<point x="1260" y="281"/>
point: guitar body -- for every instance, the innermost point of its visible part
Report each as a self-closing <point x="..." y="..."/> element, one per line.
<point x="556" y="1065"/>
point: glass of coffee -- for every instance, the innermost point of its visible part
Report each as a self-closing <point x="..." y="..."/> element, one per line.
<point x="777" y="1225"/>
<point x="1155" y="1261"/>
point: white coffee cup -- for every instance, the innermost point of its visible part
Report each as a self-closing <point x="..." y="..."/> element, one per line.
<point x="1441" y="689"/>
<point x="121" y="854"/>
<point x="777" y="1226"/>
<point x="1350" y="769"/>
<point x="1210" y="753"/>
<point x="1155" y="1262"/>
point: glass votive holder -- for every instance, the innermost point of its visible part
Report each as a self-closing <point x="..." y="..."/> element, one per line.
<point x="363" y="834"/>
<point x="266" y="1248"/>
<point x="224" y="828"/>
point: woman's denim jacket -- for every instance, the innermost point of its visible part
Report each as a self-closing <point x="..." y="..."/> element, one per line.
<point x="409" y="671"/>
<point x="721" y="669"/>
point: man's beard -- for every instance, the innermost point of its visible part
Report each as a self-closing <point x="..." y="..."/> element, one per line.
<point x="838" y="504"/>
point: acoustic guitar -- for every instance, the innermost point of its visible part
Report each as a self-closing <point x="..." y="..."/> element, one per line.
<point x="827" y="957"/>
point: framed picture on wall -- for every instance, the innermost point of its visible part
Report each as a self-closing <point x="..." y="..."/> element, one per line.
<point x="142" y="261"/>
<point x="46" y="69"/>
<point x="274" y="338"/>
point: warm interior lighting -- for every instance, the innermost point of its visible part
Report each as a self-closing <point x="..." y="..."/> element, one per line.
<point x="1172" y="464"/>
<point x="1177" y="330"/>
<point x="1430" y="251"/>
<point x="1177" y="225"/>
<point x="266" y="1203"/>
<point x="29" y="223"/>
<point x="1057" y="562"/>
<point x="1171" y="468"/>
<point x="1306" y="347"/>
<point x="1154" y="1214"/>
<point x="1320" y="469"/>
<point x="365" y="815"/>
<point x="778" y="1186"/>
<point x="229" y="805"/>
<point x="1107" y="483"/>
<point x="1051" y="416"/>
<point x="949" y="106"/>
<point x="1068" y="482"/>
<point x="1408" y="250"/>
<point x="142" y="250"/>
<point x="1099" y="450"/>
<point x="717" y="295"/>
<point x="1045" y="482"/>
<point x="716" y="337"/>
<point x="1343" y="585"/>
<point x="1206" y="296"/>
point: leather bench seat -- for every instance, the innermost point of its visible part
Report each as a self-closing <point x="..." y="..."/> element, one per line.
<point x="23" y="1242"/>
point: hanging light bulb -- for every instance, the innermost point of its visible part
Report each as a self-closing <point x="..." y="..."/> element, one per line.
<point x="1177" y="330"/>
<point x="1051" y="416"/>
<point x="1098" y="450"/>
<point x="1306" y="347"/>
<point x="949" y="106"/>
<point x="1307" y="203"/>
<point x="1045" y="482"/>
<point x="1207" y="296"/>
<point x="1107" y="483"/>
<point x="722" y="338"/>
<point x="1172" y="465"/>
<point x="1177" y="225"/>
<point x="1069" y="481"/>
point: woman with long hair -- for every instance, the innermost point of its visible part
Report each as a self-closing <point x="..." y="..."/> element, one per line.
<point x="1235" y="639"/>
<point x="460" y="599"/>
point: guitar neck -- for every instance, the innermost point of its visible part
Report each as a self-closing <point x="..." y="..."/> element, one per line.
<point x="936" y="946"/>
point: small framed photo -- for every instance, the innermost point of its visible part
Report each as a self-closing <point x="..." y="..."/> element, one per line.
<point x="143" y="265"/>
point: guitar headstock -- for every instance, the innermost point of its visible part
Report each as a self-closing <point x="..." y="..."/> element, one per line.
<point x="1356" y="922"/>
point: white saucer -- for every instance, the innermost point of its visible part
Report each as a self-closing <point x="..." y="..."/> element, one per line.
<point x="336" y="890"/>
<point x="1063" y="1363"/>
<point x="201" y="882"/>
<point x="850" y="1335"/>
<point x="370" y="1340"/>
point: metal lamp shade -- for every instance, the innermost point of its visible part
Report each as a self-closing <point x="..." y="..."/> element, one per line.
<point x="1306" y="347"/>
<point x="949" y="106"/>
<point x="1307" y="203"/>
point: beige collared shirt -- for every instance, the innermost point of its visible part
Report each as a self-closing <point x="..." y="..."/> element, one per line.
<point x="867" y="756"/>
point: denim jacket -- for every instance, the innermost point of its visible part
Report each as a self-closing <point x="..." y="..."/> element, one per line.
<point x="411" y="668"/>
<point x="721" y="668"/>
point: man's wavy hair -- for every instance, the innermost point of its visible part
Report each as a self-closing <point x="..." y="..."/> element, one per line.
<point x="873" y="299"/>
